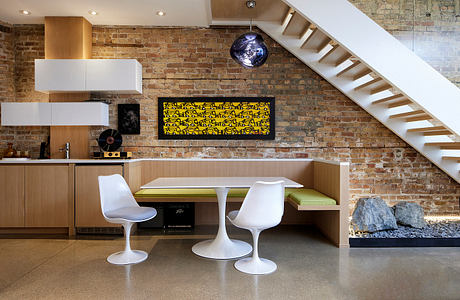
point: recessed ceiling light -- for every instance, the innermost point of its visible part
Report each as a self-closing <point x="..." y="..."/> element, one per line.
<point x="25" y="12"/>
<point x="92" y="12"/>
<point x="161" y="13"/>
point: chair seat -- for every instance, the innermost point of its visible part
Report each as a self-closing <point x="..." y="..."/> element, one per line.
<point x="133" y="213"/>
<point x="232" y="215"/>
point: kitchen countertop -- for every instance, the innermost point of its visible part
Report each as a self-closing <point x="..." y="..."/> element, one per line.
<point x="122" y="161"/>
<point x="68" y="161"/>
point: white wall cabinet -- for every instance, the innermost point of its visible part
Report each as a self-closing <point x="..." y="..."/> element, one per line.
<point x="123" y="76"/>
<point x="65" y="75"/>
<point x="26" y="114"/>
<point x="55" y="114"/>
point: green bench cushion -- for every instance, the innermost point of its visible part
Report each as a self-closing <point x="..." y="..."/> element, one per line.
<point x="300" y="196"/>
<point x="311" y="197"/>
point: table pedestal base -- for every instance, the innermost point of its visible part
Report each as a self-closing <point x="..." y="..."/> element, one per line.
<point x="222" y="249"/>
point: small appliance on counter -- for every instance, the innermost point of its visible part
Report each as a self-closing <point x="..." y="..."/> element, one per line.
<point x="109" y="141"/>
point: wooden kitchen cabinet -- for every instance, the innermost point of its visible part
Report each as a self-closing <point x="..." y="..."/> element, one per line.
<point x="48" y="195"/>
<point x="87" y="202"/>
<point x="12" y="196"/>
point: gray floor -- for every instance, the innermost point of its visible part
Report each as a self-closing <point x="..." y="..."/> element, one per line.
<point x="308" y="268"/>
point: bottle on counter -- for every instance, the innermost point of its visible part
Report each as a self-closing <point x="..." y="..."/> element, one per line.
<point x="9" y="152"/>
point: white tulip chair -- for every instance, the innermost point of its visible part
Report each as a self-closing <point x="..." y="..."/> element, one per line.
<point x="262" y="208"/>
<point x="119" y="206"/>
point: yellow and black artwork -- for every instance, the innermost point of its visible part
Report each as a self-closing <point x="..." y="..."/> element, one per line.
<point x="216" y="118"/>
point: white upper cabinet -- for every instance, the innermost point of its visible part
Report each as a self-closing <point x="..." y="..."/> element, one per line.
<point x="85" y="75"/>
<point x="64" y="75"/>
<point x="122" y="75"/>
<point x="26" y="113"/>
<point x="80" y="113"/>
<point x="55" y="114"/>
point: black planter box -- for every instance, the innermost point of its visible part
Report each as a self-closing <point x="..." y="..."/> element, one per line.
<point x="403" y="242"/>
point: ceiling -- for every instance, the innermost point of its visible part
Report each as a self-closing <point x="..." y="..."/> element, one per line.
<point x="111" y="12"/>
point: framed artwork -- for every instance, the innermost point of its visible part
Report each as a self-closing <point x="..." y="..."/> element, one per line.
<point x="129" y="121"/>
<point x="216" y="118"/>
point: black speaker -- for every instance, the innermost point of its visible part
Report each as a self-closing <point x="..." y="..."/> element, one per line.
<point x="180" y="215"/>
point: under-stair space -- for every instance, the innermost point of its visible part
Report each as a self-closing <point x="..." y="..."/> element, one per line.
<point x="377" y="72"/>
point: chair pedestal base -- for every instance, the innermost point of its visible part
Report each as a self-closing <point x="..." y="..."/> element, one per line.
<point x="257" y="266"/>
<point x="127" y="257"/>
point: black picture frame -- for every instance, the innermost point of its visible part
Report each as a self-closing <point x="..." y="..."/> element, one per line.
<point x="163" y="136"/>
<point x="129" y="121"/>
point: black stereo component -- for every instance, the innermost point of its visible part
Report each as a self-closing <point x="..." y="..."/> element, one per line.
<point x="171" y="215"/>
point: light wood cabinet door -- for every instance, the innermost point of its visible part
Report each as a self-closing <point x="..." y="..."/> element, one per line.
<point x="87" y="201"/>
<point x="11" y="196"/>
<point x="47" y="196"/>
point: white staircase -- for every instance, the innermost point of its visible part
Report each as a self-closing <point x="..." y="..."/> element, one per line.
<point x="376" y="71"/>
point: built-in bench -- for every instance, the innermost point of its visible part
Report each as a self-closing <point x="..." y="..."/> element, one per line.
<point x="324" y="196"/>
<point x="297" y="197"/>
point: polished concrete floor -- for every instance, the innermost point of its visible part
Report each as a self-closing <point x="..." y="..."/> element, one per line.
<point x="308" y="268"/>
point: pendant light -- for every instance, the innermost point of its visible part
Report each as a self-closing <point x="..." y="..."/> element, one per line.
<point x="249" y="49"/>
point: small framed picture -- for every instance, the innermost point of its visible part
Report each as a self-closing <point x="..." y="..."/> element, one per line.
<point x="129" y="121"/>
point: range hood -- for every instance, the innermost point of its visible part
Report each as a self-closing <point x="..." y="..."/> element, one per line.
<point x="122" y="76"/>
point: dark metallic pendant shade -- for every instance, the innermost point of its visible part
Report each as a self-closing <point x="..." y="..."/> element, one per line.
<point x="249" y="50"/>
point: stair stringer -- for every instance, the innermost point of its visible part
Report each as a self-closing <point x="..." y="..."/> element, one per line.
<point x="363" y="99"/>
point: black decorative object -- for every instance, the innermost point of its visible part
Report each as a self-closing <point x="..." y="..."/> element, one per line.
<point x="249" y="50"/>
<point x="110" y="140"/>
<point x="129" y="118"/>
<point x="216" y="118"/>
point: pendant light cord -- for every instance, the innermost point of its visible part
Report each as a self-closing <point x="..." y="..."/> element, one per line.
<point x="250" y="25"/>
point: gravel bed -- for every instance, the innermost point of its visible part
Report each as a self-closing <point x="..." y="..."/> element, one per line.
<point x="434" y="229"/>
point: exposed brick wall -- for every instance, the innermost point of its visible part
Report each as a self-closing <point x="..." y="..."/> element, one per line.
<point x="433" y="34"/>
<point x="19" y="46"/>
<point x="313" y="118"/>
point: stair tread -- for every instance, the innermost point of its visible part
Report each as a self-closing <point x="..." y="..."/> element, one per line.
<point x="457" y="158"/>
<point x="350" y="67"/>
<point x="406" y="114"/>
<point x="315" y="40"/>
<point x="389" y="98"/>
<point x="381" y="88"/>
<point x="296" y="25"/>
<point x="329" y="54"/>
<point x="289" y="11"/>
<point x="423" y="129"/>
<point x="423" y="117"/>
<point x="370" y="83"/>
<point x="343" y="59"/>
<point x="365" y="71"/>
<point x="437" y="132"/>
<point x="399" y="103"/>
<point x="443" y="144"/>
